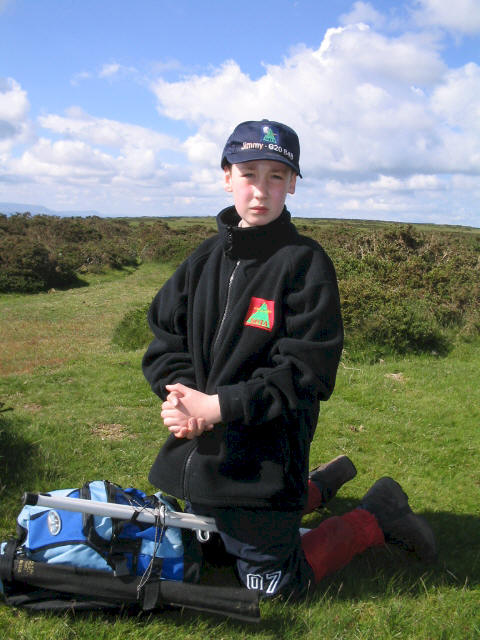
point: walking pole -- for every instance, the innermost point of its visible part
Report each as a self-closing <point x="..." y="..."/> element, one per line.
<point x="201" y="524"/>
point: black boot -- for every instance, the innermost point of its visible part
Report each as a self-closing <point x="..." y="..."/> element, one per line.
<point x="389" y="504"/>
<point x="329" y="477"/>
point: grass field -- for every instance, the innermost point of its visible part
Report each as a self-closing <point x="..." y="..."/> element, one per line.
<point x="76" y="408"/>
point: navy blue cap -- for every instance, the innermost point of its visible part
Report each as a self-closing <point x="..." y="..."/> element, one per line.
<point x="263" y="140"/>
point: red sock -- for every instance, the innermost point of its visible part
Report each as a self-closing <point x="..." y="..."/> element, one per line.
<point x="314" y="499"/>
<point x="337" y="540"/>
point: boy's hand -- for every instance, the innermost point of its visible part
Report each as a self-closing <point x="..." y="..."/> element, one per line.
<point x="192" y="428"/>
<point x="196" y="403"/>
<point x="188" y="413"/>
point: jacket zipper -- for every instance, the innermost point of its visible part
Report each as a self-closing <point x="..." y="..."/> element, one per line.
<point x="222" y="322"/>
<point x="227" y="305"/>
<point x="185" y="471"/>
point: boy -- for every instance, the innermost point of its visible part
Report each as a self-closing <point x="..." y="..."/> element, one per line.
<point x="248" y="337"/>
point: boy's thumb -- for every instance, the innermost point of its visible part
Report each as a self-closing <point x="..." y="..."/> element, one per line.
<point x="176" y="389"/>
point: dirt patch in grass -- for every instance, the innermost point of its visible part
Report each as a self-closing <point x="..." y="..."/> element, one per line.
<point x="32" y="407"/>
<point x="398" y="377"/>
<point x="112" y="431"/>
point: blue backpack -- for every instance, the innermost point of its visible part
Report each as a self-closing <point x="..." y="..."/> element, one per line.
<point x="68" y="560"/>
<point x="60" y="540"/>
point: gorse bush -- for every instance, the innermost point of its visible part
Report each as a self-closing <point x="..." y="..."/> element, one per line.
<point x="133" y="332"/>
<point x="72" y="246"/>
<point x="157" y="242"/>
<point x="39" y="252"/>
<point x="404" y="326"/>
<point x="403" y="288"/>
<point x="406" y="290"/>
<point x="28" y="266"/>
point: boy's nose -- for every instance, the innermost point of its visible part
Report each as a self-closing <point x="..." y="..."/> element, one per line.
<point x="260" y="188"/>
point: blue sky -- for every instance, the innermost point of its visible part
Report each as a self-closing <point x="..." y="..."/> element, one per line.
<point x="123" y="107"/>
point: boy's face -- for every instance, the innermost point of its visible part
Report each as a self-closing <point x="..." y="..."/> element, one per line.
<point x="259" y="189"/>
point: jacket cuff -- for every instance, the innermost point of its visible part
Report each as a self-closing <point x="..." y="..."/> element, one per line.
<point x="231" y="402"/>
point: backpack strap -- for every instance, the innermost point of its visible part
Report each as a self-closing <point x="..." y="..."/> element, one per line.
<point x="6" y="560"/>
<point x="113" y="550"/>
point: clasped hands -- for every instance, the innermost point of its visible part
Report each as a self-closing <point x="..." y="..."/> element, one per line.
<point x="187" y="413"/>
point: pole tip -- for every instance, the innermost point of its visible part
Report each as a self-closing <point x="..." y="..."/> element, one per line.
<point x="30" y="498"/>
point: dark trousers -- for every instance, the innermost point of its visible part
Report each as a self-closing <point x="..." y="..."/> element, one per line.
<point x="266" y="548"/>
<point x="270" y="555"/>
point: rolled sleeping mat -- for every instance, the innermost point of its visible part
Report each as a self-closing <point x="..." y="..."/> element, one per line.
<point x="238" y="603"/>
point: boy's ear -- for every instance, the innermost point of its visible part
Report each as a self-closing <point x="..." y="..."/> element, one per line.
<point x="227" y="184"/>
<point x="292" y="184"/>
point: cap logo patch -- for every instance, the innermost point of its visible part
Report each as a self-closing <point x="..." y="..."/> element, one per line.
<point x="261" y="314"/>
<point x="269" y="136"/>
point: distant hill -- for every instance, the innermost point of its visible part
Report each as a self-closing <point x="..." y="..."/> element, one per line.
<point x="15" y="207"/>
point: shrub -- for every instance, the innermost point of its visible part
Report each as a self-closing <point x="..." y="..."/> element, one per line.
<point x="28" y="267"/>
<point x="133" y="332"/>
<point x="160" y="243"/>
<point x="403" y="287"/>
<point x="404" y="326"/>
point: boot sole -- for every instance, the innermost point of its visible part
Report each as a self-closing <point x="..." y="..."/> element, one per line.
<point x="412" y="532"/>
<point x="348" y="467"/>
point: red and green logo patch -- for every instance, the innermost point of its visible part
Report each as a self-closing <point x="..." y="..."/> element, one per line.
<point x="261" y="314"/>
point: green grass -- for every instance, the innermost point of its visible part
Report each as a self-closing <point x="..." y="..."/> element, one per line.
<point x="81" y="410"/>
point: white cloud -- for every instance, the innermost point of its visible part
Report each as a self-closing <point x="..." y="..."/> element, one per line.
<point x="69" y="160"/>
<point x="387" y="130"/>
<point x="96" y="148"/>
<point x="81" y="159"/>
<point x="14" y="104"/>
<point x="168" y="64"/>
<point x="15" y="125"/>
<point x="109" y="71"/>
<point x="104" y="132"/>
<point x="351" y="101"/>
<point x="114" y="69"/>
<point x="363" y="12"/>
<point x="460" y="16"/>
<point x="79" y="77"/>
<point x="457" y="100"/>
<point x="380" y="116"/>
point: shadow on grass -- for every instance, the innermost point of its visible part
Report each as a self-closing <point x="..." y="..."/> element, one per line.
<point x="386" y="571"/>
<point x="76" y="283"/>
<point x="391" y="570"/>
<point x="16" y="453"/>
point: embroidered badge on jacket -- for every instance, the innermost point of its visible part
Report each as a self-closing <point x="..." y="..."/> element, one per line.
<point x="261" y="314"/>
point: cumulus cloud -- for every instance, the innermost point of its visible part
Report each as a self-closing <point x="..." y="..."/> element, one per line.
<point x="360" y="103"/>
<point x="92" y="162"/>
<point x="380" y="115"/>
<point x="461" y="16"/>
<point x="363" y="12"/>
<point x="66" y="159"/>
<point x="15" y="125"/>
<point x="96" y="148"/>
<point x="105" y="132"/>
<point x="387" y="131"/>
<point x="14" y="105"/>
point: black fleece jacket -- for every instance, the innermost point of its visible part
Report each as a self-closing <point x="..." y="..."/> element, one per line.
<point x="253" y="315"/>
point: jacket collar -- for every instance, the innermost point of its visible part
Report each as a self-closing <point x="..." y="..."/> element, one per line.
<point x="253" y="242"/>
